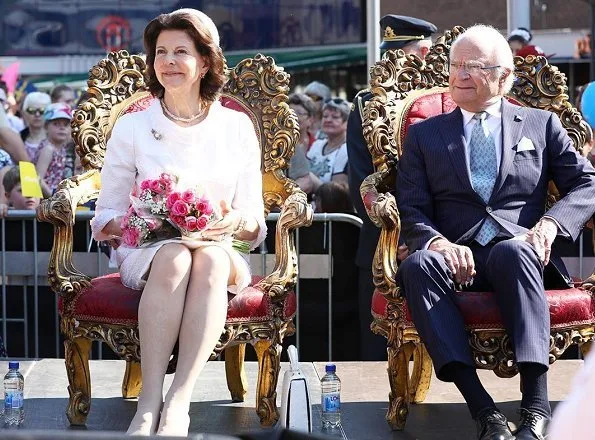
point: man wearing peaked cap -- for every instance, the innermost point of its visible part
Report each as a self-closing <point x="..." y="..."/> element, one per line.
<point x="399" y="31"/>
<point x="413" y="36"/>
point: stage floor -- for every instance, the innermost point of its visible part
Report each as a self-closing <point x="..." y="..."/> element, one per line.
<point x="364" y="398"/>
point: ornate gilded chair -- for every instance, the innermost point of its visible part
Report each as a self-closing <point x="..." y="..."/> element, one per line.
<point x="103" y="309"/>
<point x="405" y="90"/>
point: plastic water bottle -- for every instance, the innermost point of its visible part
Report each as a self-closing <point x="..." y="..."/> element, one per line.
<point x="331" y="398"/>
<point x="14" y="385"/>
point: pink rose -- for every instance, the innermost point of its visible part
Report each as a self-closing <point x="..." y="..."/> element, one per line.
<point x="168" y="186"/>
<point x="171" y="199"/>
<point x="180" y="221"/>
<point x="191" y="223"/>
<point x="131" y="237"/>
<point x="208" y="210"/>
<point x="202" y="222"/>
<point x="145" y="184"/>
<point x="180" y="208"/>
<point x="156" y="187"/>
<point x="202" y="205"/>
<point x="188" y="196"/>
<point x="166" y="182"/>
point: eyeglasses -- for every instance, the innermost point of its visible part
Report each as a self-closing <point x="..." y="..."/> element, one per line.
<point x="471" y="67"/>
<point x="37" y="111"/>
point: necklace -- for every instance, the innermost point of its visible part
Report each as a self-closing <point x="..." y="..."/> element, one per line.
<point x="179" y="118"/>
<point x="330" y="148"/>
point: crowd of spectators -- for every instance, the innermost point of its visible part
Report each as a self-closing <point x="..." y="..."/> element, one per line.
<point x="38" y="131"/>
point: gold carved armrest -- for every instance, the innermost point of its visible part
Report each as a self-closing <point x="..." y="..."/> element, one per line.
<point x="382" y="210"/>
<point x="59" y="210"/>
<point x="296" y="212"/>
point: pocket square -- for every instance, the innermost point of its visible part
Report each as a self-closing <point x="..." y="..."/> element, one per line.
<point x="525" y="144"/>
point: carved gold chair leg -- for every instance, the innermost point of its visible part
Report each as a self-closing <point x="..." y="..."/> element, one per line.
<point x="398" y="377"/>
<point x="269" y="354"/>
<point x="421" y="375"/>
<point x="77" y="352"/>
<point x="235" y="373"/>
<point x="133" y="380"/>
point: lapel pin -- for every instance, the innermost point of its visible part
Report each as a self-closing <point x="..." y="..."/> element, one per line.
<point x="158" y="136"/>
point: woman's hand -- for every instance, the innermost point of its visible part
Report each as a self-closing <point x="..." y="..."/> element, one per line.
<point x="226" y="226"/>
<point x="113" y="228"/>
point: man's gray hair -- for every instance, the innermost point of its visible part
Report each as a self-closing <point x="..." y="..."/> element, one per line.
<point x="490" y="38"/>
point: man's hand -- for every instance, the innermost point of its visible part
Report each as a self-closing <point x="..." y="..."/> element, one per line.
<point x="541" y="237"/>
<point x="459" y="259"/>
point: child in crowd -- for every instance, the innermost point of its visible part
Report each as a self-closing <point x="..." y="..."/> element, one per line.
<point x="52" y="160"/>
<point x="13" y="196"/>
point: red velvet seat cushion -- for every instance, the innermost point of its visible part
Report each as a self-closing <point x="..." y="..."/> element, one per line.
<point x="108" y="301"/>
<point x="568" y="307"/>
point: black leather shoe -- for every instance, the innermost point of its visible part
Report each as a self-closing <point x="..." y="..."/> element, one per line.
<point x="492" y="425"/>
<point x="532" y="426"/>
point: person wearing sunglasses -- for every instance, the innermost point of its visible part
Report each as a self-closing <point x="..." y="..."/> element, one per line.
<point x="412" y="36"/>
<point x="33" y="108"/>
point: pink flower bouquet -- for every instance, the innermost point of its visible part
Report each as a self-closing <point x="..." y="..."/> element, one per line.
<point x="159" y="212"/>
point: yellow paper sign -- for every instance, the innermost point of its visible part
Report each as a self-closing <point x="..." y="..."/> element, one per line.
<point x="29" y="182"/>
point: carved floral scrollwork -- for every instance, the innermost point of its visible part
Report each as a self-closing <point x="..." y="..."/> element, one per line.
<point x="264" y="86"/>
<point x="111" y="81"/>
<point x="539" y="84"/>
<point x="122" y="340"/>
<point x="562" y="339"/>
<point x="492" y="350"/>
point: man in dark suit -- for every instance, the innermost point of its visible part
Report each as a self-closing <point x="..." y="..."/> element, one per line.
<point x="471" y="191"/>
<point x="413" y="36"/>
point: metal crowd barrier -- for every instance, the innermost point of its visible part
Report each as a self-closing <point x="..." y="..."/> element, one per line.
<point x="28" y="269"/>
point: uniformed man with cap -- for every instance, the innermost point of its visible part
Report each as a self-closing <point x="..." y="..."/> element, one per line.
<point x="413" y="36"/>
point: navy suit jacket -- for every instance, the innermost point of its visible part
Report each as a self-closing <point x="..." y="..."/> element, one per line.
<point x="360" y="167"/>
<point x="434" y="192"/>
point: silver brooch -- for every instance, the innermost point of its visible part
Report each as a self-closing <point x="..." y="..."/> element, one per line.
<point x="158" y="136"/>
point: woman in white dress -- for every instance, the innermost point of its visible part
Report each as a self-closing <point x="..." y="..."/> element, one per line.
<point x="185" y="131"/>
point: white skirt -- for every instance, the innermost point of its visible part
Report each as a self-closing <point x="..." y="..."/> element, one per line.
<point x="134" y="263"/>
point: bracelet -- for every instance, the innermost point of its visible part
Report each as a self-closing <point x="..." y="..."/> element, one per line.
<point x="241" y="226"/>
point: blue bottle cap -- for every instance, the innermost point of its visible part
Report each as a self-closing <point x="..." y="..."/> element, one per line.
<point x="13" y="365"/>
<point x="330" y="368"/>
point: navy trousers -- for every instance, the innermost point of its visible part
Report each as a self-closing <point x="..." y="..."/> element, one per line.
<point x="511" y="269"/>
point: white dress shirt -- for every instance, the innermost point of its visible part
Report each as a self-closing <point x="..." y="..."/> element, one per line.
<point x="492" y="126"/>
